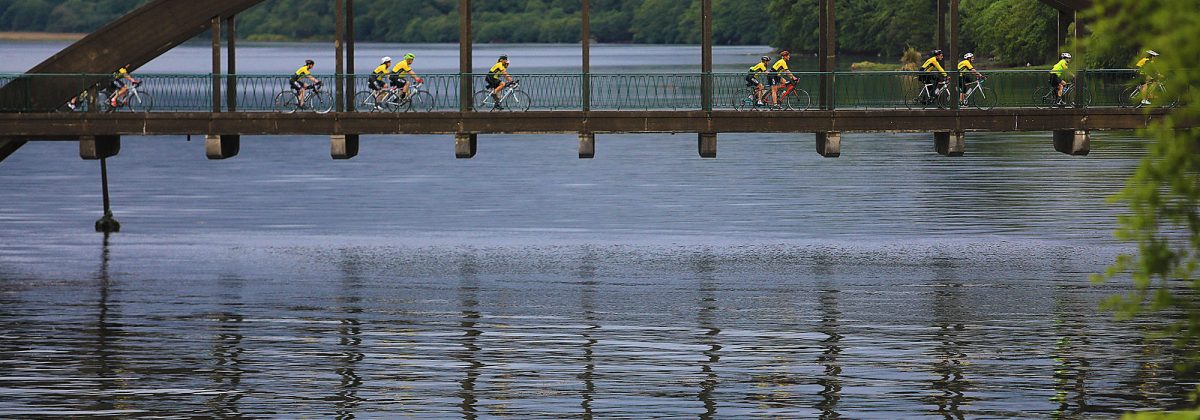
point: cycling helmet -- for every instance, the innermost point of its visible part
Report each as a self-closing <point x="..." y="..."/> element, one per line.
<point x="784" y="52"/>
<point x="1152" y="53"/>
<point x="308" y="62"/>
<point x="1066" y="56"/>
<point x="385" y="59"/>
<point x="409" y="55"/>
<point x="968" y="56"/>
<point x="765" y="58"/>
<point x="935" y="53"/>
<point x="504" y="57"/>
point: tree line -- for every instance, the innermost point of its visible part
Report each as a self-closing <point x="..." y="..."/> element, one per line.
<point x="1012" y="32"/>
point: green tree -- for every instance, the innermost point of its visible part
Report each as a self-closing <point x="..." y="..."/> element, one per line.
<point x="1164" y="193"/>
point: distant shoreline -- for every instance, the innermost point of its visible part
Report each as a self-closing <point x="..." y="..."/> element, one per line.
<point x="40" y="36"/>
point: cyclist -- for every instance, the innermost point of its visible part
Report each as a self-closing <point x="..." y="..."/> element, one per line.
<point x="119" y="85"/>
<point x="402" y="69"/>
<point x="1144" y="66"/>
<point x="933" y="63"/>
<point x="752" y="79"/>
<point x="964" y="67"/>
<point x="299" y="87"/>
<point x="376" y="83"/>
<point x="779" y="69"/>
<point x="1056" y="77"/>
<point x="493" y="79"/>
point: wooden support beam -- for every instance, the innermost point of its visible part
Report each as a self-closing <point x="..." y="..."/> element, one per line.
<point x="585" y="41"/>
<point x="216" y="63"/>
<point x="339" y="39"/>
<point x="231" y="64"/>
<point x="706" y="85"/>
<point x="954" y="53"/>
<point x="350" y="82"/>
<point x="827" y="52"/>
<point x="8" y="146"/>
<point x="941" y="24"/>
<point x="464" y="56"/>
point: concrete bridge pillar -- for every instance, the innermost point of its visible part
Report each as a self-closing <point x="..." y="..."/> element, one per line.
<point x="343" y="146"/>
<point x="950" y="143"/>
<point x="222" y="146"/>
<point x="99" y="147"/>
<point x="587" y="145"/>
<point x="829" y="144"/>
<point x="465" y="145"/>
<point x="1073" y="142"/>
<point x="708" y="145"/>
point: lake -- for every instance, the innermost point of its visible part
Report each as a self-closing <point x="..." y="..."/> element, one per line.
<point x="770" y="282"/>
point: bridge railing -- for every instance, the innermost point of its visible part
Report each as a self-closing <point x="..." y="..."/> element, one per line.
<point x="558" y="92"/>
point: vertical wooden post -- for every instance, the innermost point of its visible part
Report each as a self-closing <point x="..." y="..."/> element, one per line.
<point x="585" y="39"/>
<point x="339" y="16"/>
<point x="941" y="24"/>
<point x="706" y="85"/>
<point x="231" y="64"/>
<point x="1064" y="23"/>
<point x="464" y="55"/>
<point x="954" y="54"/>
<point x="349" y="97"/>
<point x="216" y="64"/>
<point x="827" y="51"/>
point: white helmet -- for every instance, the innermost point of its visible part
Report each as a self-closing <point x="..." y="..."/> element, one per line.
<point x="1152" y="53"/>
<point x="968" y="56"/>
<point x="1066" y="56"/>
<point x="384" y="60"/>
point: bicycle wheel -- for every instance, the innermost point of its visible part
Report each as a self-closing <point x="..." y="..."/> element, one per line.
<point x="914" y="101"/>
<point x="941" y="99"/>
<point x="982" y="98"/>
<point x="391" y="102"/>
<point x="1079" y="97"/>
<point x="517" y="101"/>
<point x="798" y="100"/>
<point x="741" y="103"/>
<point x="286" y="102"/>
<point x="103" y="102"/>
<point x="420" y="102"/>
<point x="483" y="100"/>
<point x="142" y="102"/>
<point x="364" y="101"/>
<point x="321" y="102"/>
<point x="1043" y="97"/>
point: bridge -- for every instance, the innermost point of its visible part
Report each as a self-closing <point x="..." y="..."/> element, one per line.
<point x="224" y="105"/>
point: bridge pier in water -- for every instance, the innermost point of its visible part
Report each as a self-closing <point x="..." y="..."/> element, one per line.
<point x="101" y="148"/>
<point x="1073" y="142"/>
<point x="465" y="145"/>
<point x="223" y="146"/>
<point x="587" y="145"/>
<point x="343" y="146"/>
<point x="950" y="143"/>
<point x="707" y="145"/>
<point x="829" y="144"/>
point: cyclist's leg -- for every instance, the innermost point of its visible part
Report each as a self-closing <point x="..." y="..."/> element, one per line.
<point x="402" y="84"/>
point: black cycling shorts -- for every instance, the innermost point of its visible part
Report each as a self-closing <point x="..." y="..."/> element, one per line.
<point x="773" y="80"/>
<point x="751" y="81"/>
<point x="296" y="85"/>
<point x="927" y="78"/>
<point x="1055" y="80"/>
<point x="375" y="84"/>
<point x="963" y="80"/>
<point x="117" y="84"/>
<point x="492" y="82"/>
<point x="399" y="82"/>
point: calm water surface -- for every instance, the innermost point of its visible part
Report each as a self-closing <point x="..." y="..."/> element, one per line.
<point x="888" y="283"/>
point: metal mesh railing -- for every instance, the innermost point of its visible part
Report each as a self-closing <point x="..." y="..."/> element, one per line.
<point x="558" y="92"/>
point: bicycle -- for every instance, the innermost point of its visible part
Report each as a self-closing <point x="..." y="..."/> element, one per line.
<point x="417" y="100"/>
<point x="1133" y="96"/>
<point x="288" y="100"/>
<point x="134" y="99"/>
<point x="512" y="98"/>
<point x="1072" y="95"/>
<point x="979" y="96"/>
<point x="931" y="96"/>
<point x="791" y="98"/>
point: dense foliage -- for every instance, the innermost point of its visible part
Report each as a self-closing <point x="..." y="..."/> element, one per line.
<point x="1013" y="31"/>
<point x="1164" y="194"/>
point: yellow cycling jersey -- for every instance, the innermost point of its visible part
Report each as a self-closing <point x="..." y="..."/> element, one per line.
<point x="933" y="64"/>
<point x="121" y="74"/>
<point x="1142" y="63"/>
<point x="965" y="65"/>
<point x="780" y="65"/>
<point x="402" y="69"/>
<point x="497" y="69"/>
<point x="1060" y="68"/>
<point x="759" y="68"/>
<point x="380" y="71"/>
